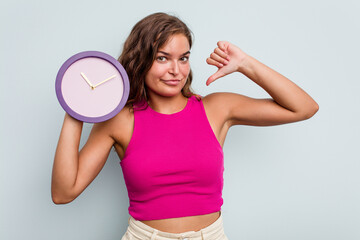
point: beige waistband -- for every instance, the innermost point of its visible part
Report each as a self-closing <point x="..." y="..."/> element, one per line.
<point x="143" y="231"/>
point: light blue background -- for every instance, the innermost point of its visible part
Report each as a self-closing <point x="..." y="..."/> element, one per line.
<point x="296" y="181"/>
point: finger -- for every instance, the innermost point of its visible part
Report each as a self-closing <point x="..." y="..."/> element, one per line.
<point x="222" y="45"/>
<point x="218" y="58"/>
<point x="221" y="53"/>
<point x="211" y="61"/>
<point x="215" y="76"/>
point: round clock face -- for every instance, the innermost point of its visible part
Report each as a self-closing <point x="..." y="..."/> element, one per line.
<point x="92" y="86"/>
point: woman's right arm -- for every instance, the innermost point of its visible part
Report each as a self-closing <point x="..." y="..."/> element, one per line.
<point x="74" y="170"/>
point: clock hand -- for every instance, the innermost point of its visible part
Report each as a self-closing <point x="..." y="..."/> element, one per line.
<point x="104" y="81"/>
<point x="87" y="80"/>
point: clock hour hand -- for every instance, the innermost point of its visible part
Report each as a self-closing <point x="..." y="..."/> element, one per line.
<point x="87" y="80"/>
<point x="105" y="81"/>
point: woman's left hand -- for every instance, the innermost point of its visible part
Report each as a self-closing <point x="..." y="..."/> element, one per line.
<point x="228" y="58"/>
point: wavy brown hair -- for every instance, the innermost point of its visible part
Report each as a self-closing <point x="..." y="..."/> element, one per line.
<point x="141" y="47"/>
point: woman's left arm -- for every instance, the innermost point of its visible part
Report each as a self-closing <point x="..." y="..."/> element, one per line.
<point x="289" y="102"/>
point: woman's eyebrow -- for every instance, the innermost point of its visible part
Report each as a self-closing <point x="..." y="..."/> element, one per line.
<point x="168" y="54"/>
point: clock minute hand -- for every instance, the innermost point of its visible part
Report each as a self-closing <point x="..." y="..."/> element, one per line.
<point x="105" y="81"/>
<point x="87" y="80"/>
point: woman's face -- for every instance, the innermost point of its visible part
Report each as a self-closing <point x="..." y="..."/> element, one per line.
<point x="168" y="73"/>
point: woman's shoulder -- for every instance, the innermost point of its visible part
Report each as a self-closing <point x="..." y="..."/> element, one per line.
<point x="125" y="116"/>
<point x="124" y="119"/>
<point x="215" y="100"/>
<point x="217" y="104"/>
<point x="121" y="126"/>
<point x="221" y="99"/>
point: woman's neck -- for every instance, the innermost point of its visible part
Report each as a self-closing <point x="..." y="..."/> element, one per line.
<point x="168" y="105"/>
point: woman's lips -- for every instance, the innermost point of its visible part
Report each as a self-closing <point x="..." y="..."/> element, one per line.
<point x="171" y="82"/>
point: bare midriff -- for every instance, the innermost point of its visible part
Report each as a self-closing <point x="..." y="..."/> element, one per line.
<point x="183" y="224"/>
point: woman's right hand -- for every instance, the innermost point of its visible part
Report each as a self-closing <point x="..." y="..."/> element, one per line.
<point x="74" y="170"/>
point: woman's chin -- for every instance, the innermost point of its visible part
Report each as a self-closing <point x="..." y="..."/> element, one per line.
<point x="171" y="94"/>
<point x="168" y="92"/>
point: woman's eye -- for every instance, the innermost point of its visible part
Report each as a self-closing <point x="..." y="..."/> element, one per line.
<point x="184" y="59"/>
<point x="161" y="58"/>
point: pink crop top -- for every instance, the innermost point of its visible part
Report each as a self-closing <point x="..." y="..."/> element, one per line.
<point x="173" y="166"/>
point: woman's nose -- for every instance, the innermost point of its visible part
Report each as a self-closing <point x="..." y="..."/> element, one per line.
<point x="174" y="68"/>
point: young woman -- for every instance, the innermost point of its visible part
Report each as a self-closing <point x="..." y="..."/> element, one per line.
<point x="169" y="139"/>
